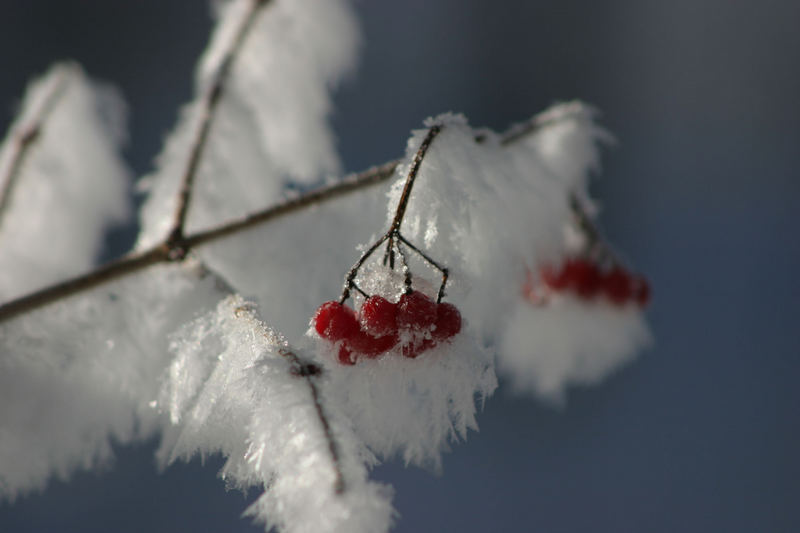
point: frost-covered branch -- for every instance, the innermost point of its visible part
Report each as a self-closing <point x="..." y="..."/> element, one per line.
<point x="232" y="387"/>
<point x="308" y="371"/>
<point x="24" y="137"/>
<point x="173" y="249"/>
<point x="208" y="106"/>
<point x="72" y="186"/>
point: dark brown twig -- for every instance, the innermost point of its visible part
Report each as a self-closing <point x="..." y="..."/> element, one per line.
<point x="212" y="95"/>
<point x="392" y="237"/>
<point x="26" y="136"/>
<point x="308" y="372"/>
<point x="173" y="251"/>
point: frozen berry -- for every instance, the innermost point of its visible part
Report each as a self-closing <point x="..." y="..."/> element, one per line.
<point x="378" y="316"/>
<point x="583" y="277"/>
<point x="554" y="278"/>
<point x="345" y="356"/>
<point x="365" y="344"/>
<point x="617" y="285"/>
<point x="448" y="321"/>
<point x="416" y="311"/>
<point x="414" y="349"/>
<point x="334" y="321"/>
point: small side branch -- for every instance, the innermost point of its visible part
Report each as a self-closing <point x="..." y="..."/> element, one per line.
<point x="25" y="138"/>
<point x="392" y="237"/>
<point x="309" y="372"/>
<point x="209" y="104"/>
<point x="412" y="177"/>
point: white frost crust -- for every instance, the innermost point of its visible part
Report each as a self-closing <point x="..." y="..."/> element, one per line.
<point x="271" y="124"/>
<point x="568" y="144"/>
<point x="77" y="375"/>
<point x="72" y="184"/>
<point x="229" y="391"/>
<point x="548" y="348"/>
<point x="294" y="263"/>
<point x="414" y="407"/>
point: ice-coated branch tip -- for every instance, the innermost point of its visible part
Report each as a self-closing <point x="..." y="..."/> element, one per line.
<point x="209" y="104"/>
<point x="26" y="134"/>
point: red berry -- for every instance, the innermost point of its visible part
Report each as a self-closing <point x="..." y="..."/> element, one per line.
<point x="448" y="321"/>
<point x="414" y="349"/>
<point x="617" y="285"/>
<point x="641" y="291"/>
<point x="365" y="344"/>
<point x="583" y="277"/>
<point x="555" y="279"/>
<point x="416" y="311"/>
<point x="345" y="357"/>
<point x="378" y="316"/>
<point x="334" y="321"/>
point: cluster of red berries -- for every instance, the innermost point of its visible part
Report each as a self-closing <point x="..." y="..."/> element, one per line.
<point x="415" y="323"/>
<point x="587" y="280"/>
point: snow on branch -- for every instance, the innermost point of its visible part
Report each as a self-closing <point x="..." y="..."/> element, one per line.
<point x="264" y="80"/>
<point x="79" y="374"/>
<point x="63" y="182"/>
<point x="235" y="387"/>
<point x="238" y="226"/>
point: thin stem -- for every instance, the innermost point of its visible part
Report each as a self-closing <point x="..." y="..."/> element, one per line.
<point x="394" y="229"/>
<point x="26" y="136"/>
<point x="412" y="176"/>
<point x="212" y="95"/>
<point x="308" y="372"/>
<point x="351" y="275"/>
<point x="367" y="178"/>
<point x="445" y="272"/>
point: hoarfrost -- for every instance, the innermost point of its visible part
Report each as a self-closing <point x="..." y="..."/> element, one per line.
<point x="414" y="407"/>
<point x="270" y="126"/>
<point x="231" y="390"/>
<point x="71" y="184"/>
<point x="80" y="373"/>
<point x="545" y="349"/>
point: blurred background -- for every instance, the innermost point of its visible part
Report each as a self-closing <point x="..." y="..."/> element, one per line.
<point x="699" y="434"/>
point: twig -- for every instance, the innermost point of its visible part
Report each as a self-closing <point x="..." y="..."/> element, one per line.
<point x="308" y="372"/>
<point x="355" y="182"/>
<point x="211" y="98"/>
<point x="26" y="136"/>
<point x="174" y="251"/>
<point x="123" y="266"/>
<point x="393" y="234"/>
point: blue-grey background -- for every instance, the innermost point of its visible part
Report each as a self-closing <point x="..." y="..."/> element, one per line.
<point x="701" y="433"/>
